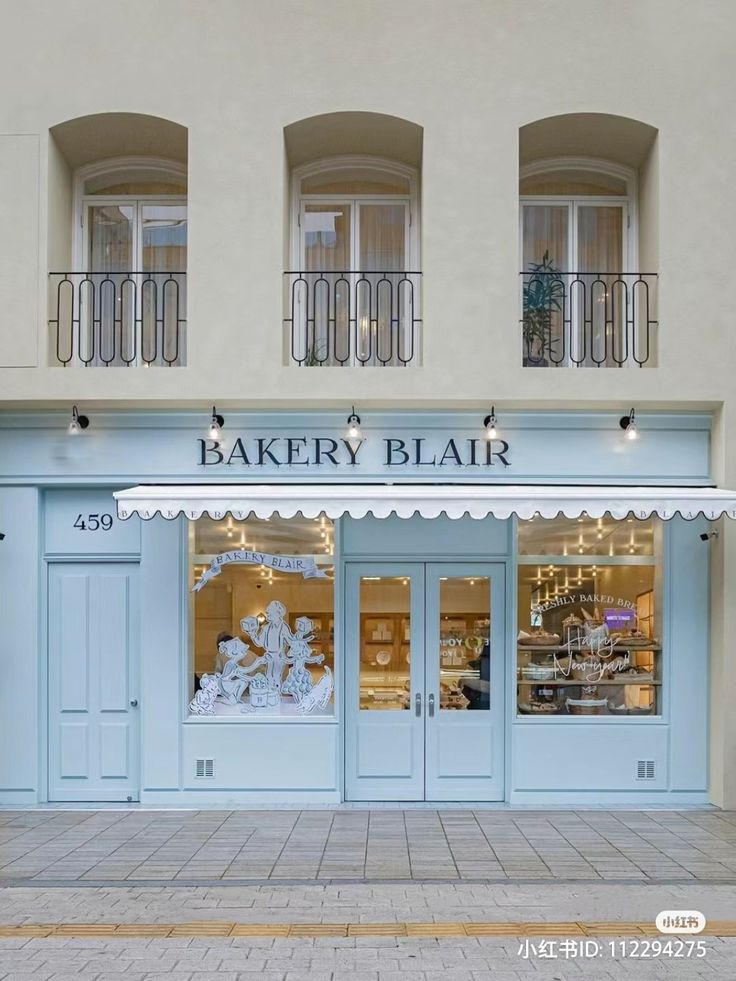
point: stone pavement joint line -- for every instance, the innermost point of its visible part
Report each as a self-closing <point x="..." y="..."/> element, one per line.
<point x="365" y="844"/>
<point x="220" y="928"/>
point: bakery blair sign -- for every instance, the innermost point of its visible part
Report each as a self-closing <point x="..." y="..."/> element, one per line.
<point x="385" y="453"/>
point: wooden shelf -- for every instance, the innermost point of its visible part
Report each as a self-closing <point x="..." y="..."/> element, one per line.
<point x="588" y="684"/>
<point x="631" y="649"/>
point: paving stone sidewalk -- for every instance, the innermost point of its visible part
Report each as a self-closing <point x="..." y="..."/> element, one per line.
<point x="137" y="845"/>
<point x="374" y="958"/>
<point x="346" y="959"/>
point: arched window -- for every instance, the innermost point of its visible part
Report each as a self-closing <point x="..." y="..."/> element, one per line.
<point x="355" y="213"/>
<point x="132" y="216"/>
<point x="578" y="220"/>
<point x="354" y="247"/>
<point x="130" y="247"/>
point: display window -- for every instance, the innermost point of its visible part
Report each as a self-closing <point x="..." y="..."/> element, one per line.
<point x="589" y="639"/>
<point x="262" y="618"/>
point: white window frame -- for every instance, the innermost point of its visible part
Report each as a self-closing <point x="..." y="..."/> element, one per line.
<point x="410" y="200"/>
<point x="378" y="164"/>
<point x="82" y="201"/>
<point x="628" y="202"/>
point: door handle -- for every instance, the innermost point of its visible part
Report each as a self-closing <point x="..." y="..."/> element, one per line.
<point x="134" y="703"/>
<point x="418" y="704"/>
<point x="431" y="705"/>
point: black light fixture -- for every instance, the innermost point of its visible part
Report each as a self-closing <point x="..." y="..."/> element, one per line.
<point x="628" y="424"/>
<point x="216" y="424"/>
<point x="490" y="424"/>
<point x="78" y="422"/>
<point x="353" y="425"/>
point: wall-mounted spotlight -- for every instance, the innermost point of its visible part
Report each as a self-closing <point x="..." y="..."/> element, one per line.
<point x="628" y="424"/>
<point x="216" y="424"/>
<point x="490" y="424"/>
<point x="353" y="425"/>
<point x="707" y="536"/>
<point x="78" y="422"/>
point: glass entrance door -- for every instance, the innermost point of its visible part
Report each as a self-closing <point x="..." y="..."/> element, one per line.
<point x="424" y="671"/>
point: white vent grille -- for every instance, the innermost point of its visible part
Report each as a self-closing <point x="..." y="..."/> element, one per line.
<point x="204" y="769"/>
<point x="645" y="770"/>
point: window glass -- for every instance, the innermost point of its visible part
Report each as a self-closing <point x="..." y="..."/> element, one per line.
<point x="262" y="615"/>
<point x="573" y="183"/>
<point x="137" y="180"/>
<point x="589" y="617"/>
<point x="355" y="180"/>
<point x="385" y="643"/>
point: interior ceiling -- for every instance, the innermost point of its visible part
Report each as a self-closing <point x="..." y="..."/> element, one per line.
<point x="119" y="134"/>
<point x="297" y="536"/>
<point x="369" y="133"/>
<point x="587" y="134"/>
<point x="597" y="537"/>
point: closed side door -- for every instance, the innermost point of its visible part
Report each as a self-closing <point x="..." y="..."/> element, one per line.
<point x="93" y="718"/>
<point x="384" y="658"/>
<point x="465" y="614"/>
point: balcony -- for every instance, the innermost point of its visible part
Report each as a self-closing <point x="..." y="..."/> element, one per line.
<point x="118" y="319"/>
<point x="588" y="319"/>
<point x="350" y="318"/>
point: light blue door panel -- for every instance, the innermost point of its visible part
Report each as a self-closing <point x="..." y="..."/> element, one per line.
<point x="424" y="670"/>
<point x="384" y="672"/>
<point x="92" y="644"/>
<point x="465" y="656"/>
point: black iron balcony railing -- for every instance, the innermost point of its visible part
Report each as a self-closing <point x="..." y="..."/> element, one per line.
<point x="118" y="318"/>
<point x="588" y="319"/>
<point x="353" y="318"/>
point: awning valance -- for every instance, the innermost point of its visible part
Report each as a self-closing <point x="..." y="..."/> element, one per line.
<point x="428" y="501"/>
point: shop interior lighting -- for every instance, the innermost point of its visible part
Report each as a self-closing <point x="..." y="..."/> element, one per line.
<point x="78" y="422"/>
<point x="353" y="425"/>
<point x="490" y="423"/>
<point x="216" y="425"/>
<point x="628" y="424"/>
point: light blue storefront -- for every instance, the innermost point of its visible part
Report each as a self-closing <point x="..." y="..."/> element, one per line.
<point x="98" y="624"/>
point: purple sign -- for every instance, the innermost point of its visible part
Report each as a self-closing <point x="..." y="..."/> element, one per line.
<point x="620" y="620"/>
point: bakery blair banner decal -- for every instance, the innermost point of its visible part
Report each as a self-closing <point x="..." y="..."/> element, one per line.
<point x="304" y="564"/>
<point x="391" y="452"/>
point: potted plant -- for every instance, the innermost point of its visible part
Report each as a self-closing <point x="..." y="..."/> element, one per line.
<point x="542" y="296"/>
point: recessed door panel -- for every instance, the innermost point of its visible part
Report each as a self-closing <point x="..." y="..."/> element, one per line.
<point x="384" y="754"/>
<point x="464" y="678"/>
<point x="93" y="728"/>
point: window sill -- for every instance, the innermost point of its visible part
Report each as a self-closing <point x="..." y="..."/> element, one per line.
<point x="260" y="717"/>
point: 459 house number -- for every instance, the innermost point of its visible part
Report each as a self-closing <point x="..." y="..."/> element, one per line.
<point x="93" y="522"/>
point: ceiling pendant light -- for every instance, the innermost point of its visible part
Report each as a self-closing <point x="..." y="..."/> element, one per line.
<point x="490" y="424"/>
<point x="628" y="424"/>
<point x="78" y="422"/>
<point x="353" y="425"/>
<point x="216" y="424"/>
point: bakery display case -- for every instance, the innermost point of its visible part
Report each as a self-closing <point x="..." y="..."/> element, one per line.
<point x="618" y="678"/>
<point x="588" y="641"/>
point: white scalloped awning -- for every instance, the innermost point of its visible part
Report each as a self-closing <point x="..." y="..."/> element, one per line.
<point x="429" y="501"/>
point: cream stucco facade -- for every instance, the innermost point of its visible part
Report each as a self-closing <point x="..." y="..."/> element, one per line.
<point x="465" y="91"/>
